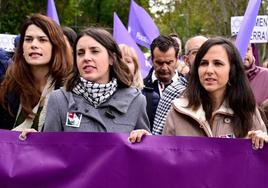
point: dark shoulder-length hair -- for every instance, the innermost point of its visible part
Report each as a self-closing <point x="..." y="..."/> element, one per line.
<point x="19" y="78"/>
<point x="238" y="95"/>
<point x="118" y="70"/>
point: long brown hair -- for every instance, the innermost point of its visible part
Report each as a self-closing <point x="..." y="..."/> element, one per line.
<point x="19" y="78"/>
<point x="119" y="69"/>
<point x="238" y="95"/>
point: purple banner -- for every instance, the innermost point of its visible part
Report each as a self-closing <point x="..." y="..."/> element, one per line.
<point x="141" y="26"/>
<point x="52" y="11"/>
<point x="247" y="25"/>
<point x="108" y="160"/>
<point x="122" y="36"/>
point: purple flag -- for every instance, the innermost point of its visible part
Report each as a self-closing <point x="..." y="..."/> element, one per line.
<point x="52" y="11"/>
<point x="122" y="36"/>
<point x="74" y="159"/>
<point x="141" y="26"/>
<point x="247" y="25"/>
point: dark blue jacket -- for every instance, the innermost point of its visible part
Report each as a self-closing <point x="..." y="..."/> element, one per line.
<point x="152" y="94"/>
<point x="5" y="60"/>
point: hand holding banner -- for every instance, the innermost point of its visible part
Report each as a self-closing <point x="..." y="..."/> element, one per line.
<point x="74" y="159"/>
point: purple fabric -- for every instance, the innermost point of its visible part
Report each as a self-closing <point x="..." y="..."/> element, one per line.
<point x="258" y="79"/>
<point x="52" y="11"/>
<point x="252" y="70"/>
<point x="247" y="25"/>
<point x="122" y="36"/>
<point x="255" y="54"/>
<point x="141" y="26"/>
<point x="107" y="160"/>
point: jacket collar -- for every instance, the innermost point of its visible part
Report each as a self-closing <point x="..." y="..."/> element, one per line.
<point x="252" y="71"/>
<point x="180" y="105"/>
<point x="174" y="78"/>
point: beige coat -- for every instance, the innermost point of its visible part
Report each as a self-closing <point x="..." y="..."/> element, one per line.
<point x="183" y="121"/>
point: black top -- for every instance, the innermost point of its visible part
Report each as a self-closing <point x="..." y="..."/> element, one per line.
<point x="7" y="120"/>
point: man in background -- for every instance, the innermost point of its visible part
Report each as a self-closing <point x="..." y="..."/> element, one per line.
<point x="175" y="89"/>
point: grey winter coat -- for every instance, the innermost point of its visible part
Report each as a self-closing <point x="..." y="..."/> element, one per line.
<point x="123" y="112"/>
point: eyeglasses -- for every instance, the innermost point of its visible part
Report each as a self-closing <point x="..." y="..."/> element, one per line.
<point x="193" y="51"/>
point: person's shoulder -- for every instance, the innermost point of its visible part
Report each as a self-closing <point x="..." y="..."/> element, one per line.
<point x="61" y="97"/>
<point x="180" y="106"/>
<point x="124" y="98"/>
<point x="262" y="74"/>
<point x="4" y="56"/>
<point x="179" y="84"/>
<point x="264" y="70"/>
<point x="148" y="79"/>
<point x="128" y="91"/>
<point x="129" y="94"/>
<point x="60" y="92"/>
<point x="180" y="102"/>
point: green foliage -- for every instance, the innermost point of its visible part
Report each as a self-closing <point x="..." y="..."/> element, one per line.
<point x="12" y="15"/>
<point x="207" y="17"/>
<point x="14" y="12"/>
<point x="184" y="17"/>
<point x="77" y="14"/>
<point x="67" y="11"/>
<point x="100" y="13"/>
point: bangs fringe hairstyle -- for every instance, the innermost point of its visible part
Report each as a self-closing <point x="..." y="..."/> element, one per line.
<point x="238" y="96"/>
<point x="19" y="78"/>
<point x="118" y="70"/>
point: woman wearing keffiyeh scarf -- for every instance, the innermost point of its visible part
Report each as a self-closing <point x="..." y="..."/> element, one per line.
<point x="98" y="96"/>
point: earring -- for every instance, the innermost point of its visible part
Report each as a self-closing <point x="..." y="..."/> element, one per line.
<point x="229" y="84"/>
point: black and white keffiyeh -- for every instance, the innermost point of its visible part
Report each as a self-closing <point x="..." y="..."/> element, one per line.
<point x="95" y="93"/>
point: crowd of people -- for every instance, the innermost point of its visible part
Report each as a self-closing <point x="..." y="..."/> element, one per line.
<point x="60" y="81"/>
